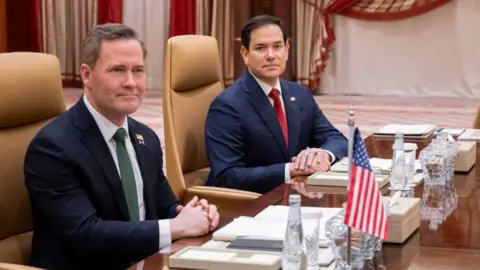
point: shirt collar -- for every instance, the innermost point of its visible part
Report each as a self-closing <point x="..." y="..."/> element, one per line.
<point x="107" y="128"/>
<point x="267" y="88"/>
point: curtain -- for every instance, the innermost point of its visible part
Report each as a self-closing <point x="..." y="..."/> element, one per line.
<point x="35" y="26"/>
<point x="215" y="18"/>
<point x="308" y="41"/>
<point x="150" y="19"/>
<point x="64" y="25"/>
<point x="387" y="10"/>
<point x="22" y="23"/>
<point x="3" y="26"/>
<point x="182" y="17"/>
<point x="435" y="54"/>
<point x="109" y="11"/>
<point x="313" y="38"/>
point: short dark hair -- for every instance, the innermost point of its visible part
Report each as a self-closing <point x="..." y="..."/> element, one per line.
<point x="257" y="22"/>
<point x="92" y="44"/>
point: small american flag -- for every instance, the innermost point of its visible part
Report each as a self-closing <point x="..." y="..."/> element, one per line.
<point x="365" y="210"/>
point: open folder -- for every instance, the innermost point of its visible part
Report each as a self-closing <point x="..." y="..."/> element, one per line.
<point x="409" y="131"/>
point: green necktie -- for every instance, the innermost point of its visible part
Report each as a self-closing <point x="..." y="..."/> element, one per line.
<point x="126" y="174"/>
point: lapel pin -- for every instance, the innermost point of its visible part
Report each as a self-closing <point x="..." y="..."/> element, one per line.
<point x="292" y="98"/>
<point x="140" y="139"/>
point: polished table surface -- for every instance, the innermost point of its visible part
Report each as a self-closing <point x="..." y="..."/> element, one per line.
<point x="454" y="245"/>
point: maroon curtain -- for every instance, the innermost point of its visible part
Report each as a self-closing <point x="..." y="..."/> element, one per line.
<point x="3" y="26"/>
<point x="35" y="25"/>
<point x="109" y="11"/>
<point x="182" y="17"/>
<point x="23" y="26"/>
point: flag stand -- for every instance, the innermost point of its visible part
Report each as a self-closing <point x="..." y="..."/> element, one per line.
<point x="351" y="134"/>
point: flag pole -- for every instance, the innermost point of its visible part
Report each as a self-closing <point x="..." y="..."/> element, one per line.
<point x="351" y="134"/>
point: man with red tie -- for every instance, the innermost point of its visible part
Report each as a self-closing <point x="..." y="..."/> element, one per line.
<point x="262" y="131"/>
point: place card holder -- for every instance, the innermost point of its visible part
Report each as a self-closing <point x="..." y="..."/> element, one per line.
<point x="333" y="179"/>
<point x="193" y="257"/>
<point x="403" y="220"/>
<point x="466" y="157"/>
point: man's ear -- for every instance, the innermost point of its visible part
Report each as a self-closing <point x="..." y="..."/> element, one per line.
<point x="244" y="53"/>
<point x="287" y="48"/>
<point x="86" y="75"/>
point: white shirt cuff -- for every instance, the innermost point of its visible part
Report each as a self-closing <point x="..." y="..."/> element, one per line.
<point x="165" y="237"/>
<point x="287" y="173"/>
<point x="331" y="155"/>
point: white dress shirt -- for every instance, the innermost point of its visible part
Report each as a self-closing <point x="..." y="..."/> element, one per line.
<point x="108" y="129"/>
<point x="267" y="89"/>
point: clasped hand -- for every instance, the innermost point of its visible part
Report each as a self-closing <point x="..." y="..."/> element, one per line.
<point x="196" y="218"/>
<point x="309" y="161"/>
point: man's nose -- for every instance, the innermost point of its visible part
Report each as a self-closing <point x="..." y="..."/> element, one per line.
<point x="270" y="53"/>
<point x="129" y="80"/>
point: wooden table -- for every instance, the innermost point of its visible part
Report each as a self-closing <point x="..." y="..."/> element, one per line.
<point x="454" y="245"/>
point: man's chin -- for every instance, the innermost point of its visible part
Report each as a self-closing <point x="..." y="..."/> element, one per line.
<point x="272" y="74"/>
<point x="128" y="109"/>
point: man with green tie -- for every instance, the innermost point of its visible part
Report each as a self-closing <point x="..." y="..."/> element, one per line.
<point x="99" y="197"/>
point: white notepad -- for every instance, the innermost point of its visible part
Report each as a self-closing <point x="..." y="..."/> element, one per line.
<point x="208" y="255"/>
<point x="271" y="223"/>
<point x="470" y="135"/>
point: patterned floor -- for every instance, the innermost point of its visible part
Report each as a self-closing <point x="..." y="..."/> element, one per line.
<point x="370" y="112"/>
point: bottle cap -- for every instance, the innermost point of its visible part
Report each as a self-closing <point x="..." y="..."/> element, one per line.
<point x="294" y="198"/>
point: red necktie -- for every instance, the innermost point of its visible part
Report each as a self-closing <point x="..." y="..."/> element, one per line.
<point x="277" y="106"/>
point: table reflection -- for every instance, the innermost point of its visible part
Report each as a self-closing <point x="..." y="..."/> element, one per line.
<point x="438" y="203"/>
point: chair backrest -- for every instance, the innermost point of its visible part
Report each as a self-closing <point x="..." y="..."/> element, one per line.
<point x="31" y="95"/>
<point x="192" y="80"/>
<point x="9" y="266"/>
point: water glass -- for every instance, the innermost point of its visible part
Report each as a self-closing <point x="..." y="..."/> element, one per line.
<point x="410" y="150"/>
<point x="311" y="231"/>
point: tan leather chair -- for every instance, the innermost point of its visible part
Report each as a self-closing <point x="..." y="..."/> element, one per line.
<point x="31" y="95"/>
<point x="192" y="80"/>
<point x="9" y="266"/>
<point x="476" y="122"/>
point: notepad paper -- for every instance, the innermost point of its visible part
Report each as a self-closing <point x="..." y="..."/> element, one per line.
<point x="251" y="227"/>
<point x="391" y="129"/>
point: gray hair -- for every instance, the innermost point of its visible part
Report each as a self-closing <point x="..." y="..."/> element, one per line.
<point x="92" y="44"/>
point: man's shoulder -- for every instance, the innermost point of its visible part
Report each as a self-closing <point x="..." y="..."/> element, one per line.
<point x="233" y="95"/>
<point x="298" y="88"/>
<point x="57" y="129"/>
<point x="141" y="129"/>
<point x="56" y="137"/>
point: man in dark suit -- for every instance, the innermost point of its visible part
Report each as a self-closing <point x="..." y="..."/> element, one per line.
<point x="99" y="196"/>
<point x="262" y="131"/>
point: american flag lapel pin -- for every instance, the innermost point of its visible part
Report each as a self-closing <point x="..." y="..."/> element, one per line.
<point x="140" y="139"/>
<point x="292" y="98"/>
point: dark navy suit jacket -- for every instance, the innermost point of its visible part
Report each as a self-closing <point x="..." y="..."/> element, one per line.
<point x="244" y="141"/>
<point x="78" y="205"/>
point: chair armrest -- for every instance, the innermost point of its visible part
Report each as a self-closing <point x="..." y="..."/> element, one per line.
<point x="9" y="266"/>
<point x="223" y="198"/>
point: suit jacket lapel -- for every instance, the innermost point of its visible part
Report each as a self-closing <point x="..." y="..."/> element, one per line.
<point x="143" y="158"/>
<point x="94" y="142"/>
<point x="292" y="111"/>
<point x="260" y="102"/>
